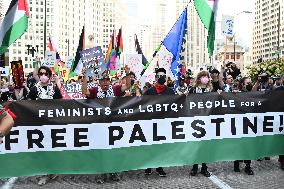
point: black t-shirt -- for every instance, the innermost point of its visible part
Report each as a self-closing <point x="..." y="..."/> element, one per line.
<point x="216" y="86"/>
<point x="33" y="95"/>
<point x="153" y="91"/>
<point x="7" y="96"/>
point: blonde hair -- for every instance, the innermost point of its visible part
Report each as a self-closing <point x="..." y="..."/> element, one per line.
<point x="198" y="81"/>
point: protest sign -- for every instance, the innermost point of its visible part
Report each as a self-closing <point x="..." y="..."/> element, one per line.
<point x="49" y="60"/>
<point x="227" y="25"/>
<point x="17" y="73"/>
<point x="4" y="71"/>
<point x="134" y="62"/>
<point x="179" y="130"/>
<point x="68" y="61"/>
<point x="93" y="60"/>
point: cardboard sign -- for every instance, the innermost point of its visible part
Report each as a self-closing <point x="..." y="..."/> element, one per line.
<point x="4" y="71"/>
<point x="50" y="57"/>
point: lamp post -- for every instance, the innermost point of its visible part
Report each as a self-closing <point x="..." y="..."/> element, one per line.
<point x="44" y="29"/>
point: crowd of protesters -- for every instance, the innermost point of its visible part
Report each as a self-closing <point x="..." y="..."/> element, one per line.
<point x="41" y="85"/>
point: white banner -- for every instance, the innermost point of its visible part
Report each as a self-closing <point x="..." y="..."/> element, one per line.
<point x="227" y="25"/>
<point x="138" y="133"/>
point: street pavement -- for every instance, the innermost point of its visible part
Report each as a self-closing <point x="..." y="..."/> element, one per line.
<point x="267" y="175"/>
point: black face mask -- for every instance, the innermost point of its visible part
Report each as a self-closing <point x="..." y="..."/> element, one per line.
<point x="162" y="80"/>
<point x="132" y="82"/>
<point x="249" y="87"/>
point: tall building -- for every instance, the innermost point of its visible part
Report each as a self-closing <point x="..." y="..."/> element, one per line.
<point x="265" y="30"/>
<point x="159" y="23"/>
<point x="1" y="10"/>
<point x="64" y="21"/>
<point x="196" y="50"/>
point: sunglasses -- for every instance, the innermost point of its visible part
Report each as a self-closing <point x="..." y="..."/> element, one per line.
<point x="160" y="76"/>
<point x="43" y="73"/>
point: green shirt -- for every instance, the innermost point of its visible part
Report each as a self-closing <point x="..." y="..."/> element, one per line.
<point x="2" y="113"/>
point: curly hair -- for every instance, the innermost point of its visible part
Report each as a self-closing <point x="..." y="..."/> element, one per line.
<point x="198" y="81"/>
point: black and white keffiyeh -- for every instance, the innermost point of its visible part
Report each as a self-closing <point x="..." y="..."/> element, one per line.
<point x="108" y="93"/>
<point x="45" y="93"/>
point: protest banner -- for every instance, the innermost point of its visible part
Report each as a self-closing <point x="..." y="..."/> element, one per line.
<point x="120" y="134"/>
<point x="17" y="73"/>
<point x="134" y="62"/>
<point x="49" y="60"/>
<point x="93" y="60"/>
<point x="4" y="71"/>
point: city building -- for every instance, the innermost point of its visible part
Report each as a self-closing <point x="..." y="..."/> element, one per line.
<point x="196" y="55"/>
<point x="231" y="52"/>
<point x="64" y="22"/>
<point x="265" y="30"/>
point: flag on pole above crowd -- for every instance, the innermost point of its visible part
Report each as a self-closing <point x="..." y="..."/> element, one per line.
<point x="175" y="42"/>
<point x="139" y="50"/>
<point x="119" y="43"/>
<point x="110" y="57"/>
<point x="206" y="10"/>
<point x="14" y="25"/>
<point x="77" y="65"/>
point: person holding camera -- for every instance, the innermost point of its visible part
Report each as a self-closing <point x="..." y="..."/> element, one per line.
<point x="263" y="83"/>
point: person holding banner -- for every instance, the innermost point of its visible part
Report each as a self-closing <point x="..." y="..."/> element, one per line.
<point x="159" y="89"/>
<point x="105" y="90"/>
<point x="6" y="123"/>
<point x="45" y="89"/>
<point x="202" y="85"/>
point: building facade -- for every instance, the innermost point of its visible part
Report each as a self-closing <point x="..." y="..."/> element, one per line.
<point x="265" y="30"/>
<point x="64" y="22"/>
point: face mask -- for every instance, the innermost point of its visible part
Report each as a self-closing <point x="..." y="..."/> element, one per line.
<point x="204" y="80"/>
<point x="44" y="79"/>
<point x="162" y="80"/>
<point x="132" y="82"/>
<point x="249" y="87"/>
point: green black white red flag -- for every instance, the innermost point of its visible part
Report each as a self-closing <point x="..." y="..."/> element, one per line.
<point x="14" y="25"/>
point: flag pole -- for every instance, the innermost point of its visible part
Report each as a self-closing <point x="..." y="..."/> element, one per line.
<point x="160" y="45"/>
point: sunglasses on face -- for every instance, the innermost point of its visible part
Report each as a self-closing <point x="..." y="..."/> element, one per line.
<point x="43" y="73"/>
<point x="160" y="76"/>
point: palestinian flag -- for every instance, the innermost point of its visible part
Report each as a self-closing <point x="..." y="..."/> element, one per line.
<point x="14" y="25"/>
<point x="119" y="43"/>
<point x="77" y="65"/>
<point x="206" y="10"/>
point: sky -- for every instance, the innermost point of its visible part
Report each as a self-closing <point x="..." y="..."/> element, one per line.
<point x="243" y="22"/>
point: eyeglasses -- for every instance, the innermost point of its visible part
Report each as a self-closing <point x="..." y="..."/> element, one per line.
<point x="43" y="73"/>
